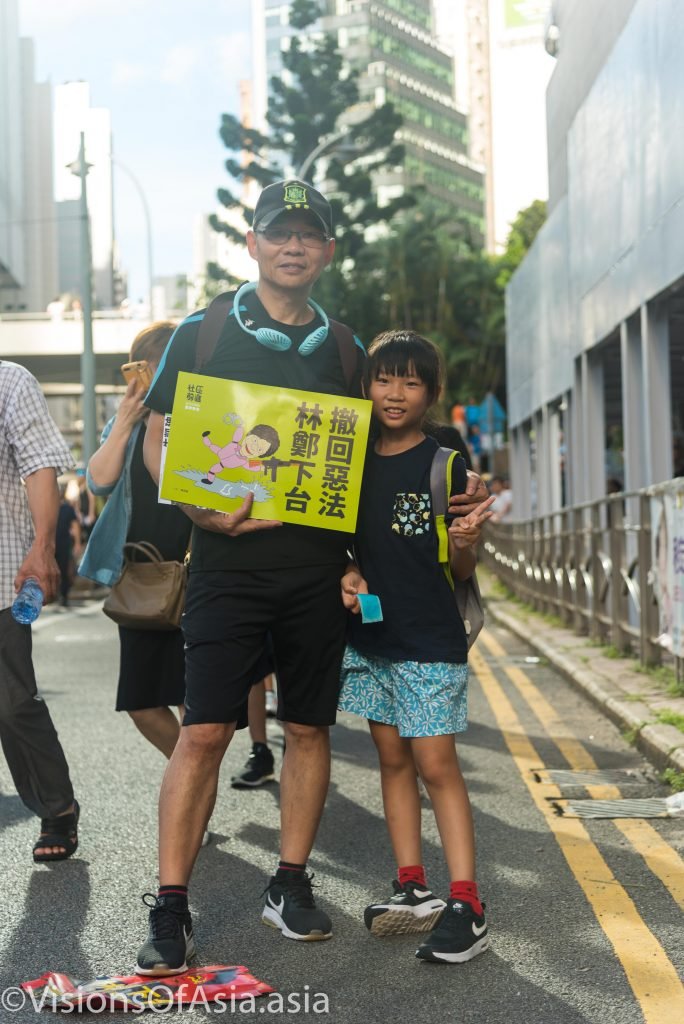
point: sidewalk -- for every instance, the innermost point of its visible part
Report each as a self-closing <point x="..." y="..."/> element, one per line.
<point x="635" y="700"/>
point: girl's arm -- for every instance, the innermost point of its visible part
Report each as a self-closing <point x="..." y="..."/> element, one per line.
<point x="463" y="536"/>
<point x="353" y="583"/>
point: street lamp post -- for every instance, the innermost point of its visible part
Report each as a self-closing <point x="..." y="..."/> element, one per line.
<point x="148" y="227"/>
<point x="88" y="407"/>
<point x="327" y="143"/>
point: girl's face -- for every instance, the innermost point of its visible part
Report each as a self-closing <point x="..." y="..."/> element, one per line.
<point x="399" y="403"/>
<point x="254" y="446"/>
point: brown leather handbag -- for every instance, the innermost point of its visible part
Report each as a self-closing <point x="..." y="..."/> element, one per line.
<point x="149" y="594"/>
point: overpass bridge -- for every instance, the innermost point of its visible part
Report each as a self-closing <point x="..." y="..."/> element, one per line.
<point x="51" y="349"/>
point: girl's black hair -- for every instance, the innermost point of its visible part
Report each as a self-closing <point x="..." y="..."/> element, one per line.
<point x="402" y="353"/>
<point x="266" y="433"/>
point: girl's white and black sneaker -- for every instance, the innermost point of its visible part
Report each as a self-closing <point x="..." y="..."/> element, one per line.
<point x="460" y="935"/>
<point x="412" y="908"/>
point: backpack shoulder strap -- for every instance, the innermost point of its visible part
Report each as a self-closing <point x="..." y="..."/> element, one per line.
<point x="210" y="328"/>
<point x="440" y="482"/>
<point x="348" y="349"/>
<point x="466" y="592"/>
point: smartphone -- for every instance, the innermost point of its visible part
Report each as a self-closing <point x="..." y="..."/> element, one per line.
<point x="139" y="371"/>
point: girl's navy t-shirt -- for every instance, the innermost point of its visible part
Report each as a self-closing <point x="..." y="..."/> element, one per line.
<point x="397" y="549"/>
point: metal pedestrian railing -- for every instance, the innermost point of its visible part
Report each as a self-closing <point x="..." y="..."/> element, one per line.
<point x="589" y="565"/>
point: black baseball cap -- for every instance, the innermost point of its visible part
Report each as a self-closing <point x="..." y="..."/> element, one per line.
<point x="291" y="195"/>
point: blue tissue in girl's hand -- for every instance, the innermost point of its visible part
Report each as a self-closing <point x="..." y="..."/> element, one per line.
<point x="371" y="610"/>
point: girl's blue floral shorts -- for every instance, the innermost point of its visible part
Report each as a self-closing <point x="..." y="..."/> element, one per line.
<point x="420" y="698"/>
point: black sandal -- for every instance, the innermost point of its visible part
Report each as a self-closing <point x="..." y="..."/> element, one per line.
<point x="61" y="831"/>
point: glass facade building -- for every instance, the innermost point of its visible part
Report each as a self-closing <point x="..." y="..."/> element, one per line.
<point x="393" y="46"/>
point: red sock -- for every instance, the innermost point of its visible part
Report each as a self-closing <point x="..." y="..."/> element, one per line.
<point x="467" y="892"/>
<point x="412" y="873"/>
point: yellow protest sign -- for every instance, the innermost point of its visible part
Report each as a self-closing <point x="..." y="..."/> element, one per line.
<point x="299" y="452"/>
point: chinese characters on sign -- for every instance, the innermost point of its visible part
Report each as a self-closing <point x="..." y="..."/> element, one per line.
<point x="300" y="454"/>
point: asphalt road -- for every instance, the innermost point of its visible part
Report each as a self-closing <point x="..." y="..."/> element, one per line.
<point x="584" y="926"/>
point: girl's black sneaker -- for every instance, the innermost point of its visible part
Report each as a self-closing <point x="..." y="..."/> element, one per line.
<point x="412" y="908"/>
<point x="460" y="935"/>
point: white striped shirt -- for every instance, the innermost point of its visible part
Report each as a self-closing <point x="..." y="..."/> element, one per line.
<point x="29" y="441"/>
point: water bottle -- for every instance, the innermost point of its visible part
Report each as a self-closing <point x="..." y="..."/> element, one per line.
<point x="28" y="602"/>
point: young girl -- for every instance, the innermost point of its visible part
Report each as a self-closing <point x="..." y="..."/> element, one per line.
<point x="408" y="673"/>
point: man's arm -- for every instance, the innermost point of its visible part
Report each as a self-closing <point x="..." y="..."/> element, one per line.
<point x="208" y="519"/>
<point x="43" y="499"/>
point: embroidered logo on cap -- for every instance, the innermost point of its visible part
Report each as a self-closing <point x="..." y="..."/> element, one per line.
<point x="295" y="195"/>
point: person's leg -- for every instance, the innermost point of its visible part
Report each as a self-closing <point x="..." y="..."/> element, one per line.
<point x="461" y="933"/>
<point x="439" y="768"/>
<point x="308" y="642"/>
<point x="400" y="797"/>
<point x="304" y="779"/>
<point x="412" y="907"/>
<point x="271" y="701"/>
<point x="29" y="740"/>
<point x="152" y="683"/>
<point x="187" y="798"/>
<point x="223" y="648"/>
<point x="159" y="726"/>
<point x="260" y="763"/>
<point x="256" y="712"/>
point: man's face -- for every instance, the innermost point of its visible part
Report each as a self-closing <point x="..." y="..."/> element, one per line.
<point x="291" y="264"/>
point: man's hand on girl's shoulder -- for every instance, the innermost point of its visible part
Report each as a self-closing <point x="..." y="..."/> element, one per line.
<point x="475" y="493"/>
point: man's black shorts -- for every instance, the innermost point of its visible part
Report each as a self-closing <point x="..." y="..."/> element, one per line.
<point x="228" y="619"/>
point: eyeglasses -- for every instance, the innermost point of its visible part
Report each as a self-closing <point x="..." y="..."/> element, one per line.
<point x="279" y="236"/>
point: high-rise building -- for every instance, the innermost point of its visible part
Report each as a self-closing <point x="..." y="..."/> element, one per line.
<point x="73" y="114"/>
<point x="28" y="255"/>
<point x="393" y="46"/>
<point x="502" y="70"/>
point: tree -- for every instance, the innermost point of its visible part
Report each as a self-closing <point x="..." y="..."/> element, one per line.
<point x="307" y="104"/>
<point x="521" y="236"/>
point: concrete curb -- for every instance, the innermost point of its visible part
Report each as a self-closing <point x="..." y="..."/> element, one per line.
<point x="663" y="745"/>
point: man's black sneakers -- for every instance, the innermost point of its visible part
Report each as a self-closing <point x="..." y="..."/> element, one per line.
<point x="460" y="935"/>
<point x="290" y="906"/>
<point x="259" y="769"/>
<point x="412" y="908"/>
<point x="170" y="943"/>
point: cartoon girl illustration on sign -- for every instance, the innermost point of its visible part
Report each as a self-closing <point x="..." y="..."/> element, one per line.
<point x="242" y="452"/>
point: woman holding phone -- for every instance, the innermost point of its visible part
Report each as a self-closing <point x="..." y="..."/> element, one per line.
<point x="152" y="667"/>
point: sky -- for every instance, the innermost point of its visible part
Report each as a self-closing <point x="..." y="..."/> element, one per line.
<point x="167" y="70"/>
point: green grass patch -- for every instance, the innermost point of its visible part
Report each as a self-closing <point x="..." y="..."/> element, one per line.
<point x="674" y="779"/>
<point x="669" y="717"/>
<point x="664" y="676"/>
<point x="610" y="651"/>
<point x="632" y="734"/>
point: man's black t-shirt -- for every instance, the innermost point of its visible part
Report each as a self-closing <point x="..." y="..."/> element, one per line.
<point x="239" y="356"/>
<point x="397" y="548"/>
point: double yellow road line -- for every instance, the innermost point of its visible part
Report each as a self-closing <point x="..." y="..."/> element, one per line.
<point x="650" y="973"/>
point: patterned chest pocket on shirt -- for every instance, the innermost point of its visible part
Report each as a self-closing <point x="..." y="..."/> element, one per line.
<point x="411" y="514"/>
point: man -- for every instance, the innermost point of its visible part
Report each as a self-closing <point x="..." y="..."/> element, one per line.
<point x="250" y="579"/>
<point x="32" y="450"/>
<point x="503" y="499"/>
